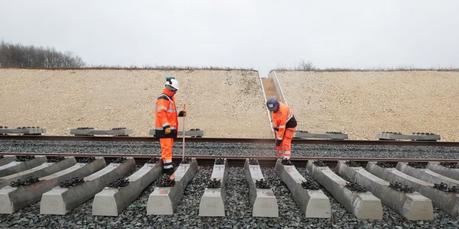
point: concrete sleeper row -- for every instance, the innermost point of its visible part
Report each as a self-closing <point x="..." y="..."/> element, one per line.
<point x="60" y="185"/>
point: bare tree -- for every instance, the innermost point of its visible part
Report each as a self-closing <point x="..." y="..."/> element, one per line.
<point x="305" y="66"/>
<point x="17" y="55"/>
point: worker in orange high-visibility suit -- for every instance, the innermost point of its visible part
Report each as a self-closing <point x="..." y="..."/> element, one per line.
<point x="166" y="123"/>
<point x="284" y="124"/>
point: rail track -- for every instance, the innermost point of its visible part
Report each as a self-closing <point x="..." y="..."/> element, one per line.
<point x="229" y="140"/>
<point x="208" y="160"/>
<point x="340" y="178"/>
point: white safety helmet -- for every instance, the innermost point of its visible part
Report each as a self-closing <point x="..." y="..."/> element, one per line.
<point x="172" y="83"/>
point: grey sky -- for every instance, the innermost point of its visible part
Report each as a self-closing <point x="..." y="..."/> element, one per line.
<point x="261" y="34"/>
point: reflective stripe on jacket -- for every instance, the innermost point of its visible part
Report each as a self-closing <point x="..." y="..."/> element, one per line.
<point x="166" y="116"/>
<point x="283" y="119"/>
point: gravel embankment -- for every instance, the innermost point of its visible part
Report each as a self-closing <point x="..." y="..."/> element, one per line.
<point x="238" y="212"/>
<point x="234" y="149"/>
<point x="364" y="103"/>
<point x="60" y="100"/>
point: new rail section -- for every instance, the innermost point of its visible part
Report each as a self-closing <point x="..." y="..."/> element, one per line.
<point x="228" y="140"/>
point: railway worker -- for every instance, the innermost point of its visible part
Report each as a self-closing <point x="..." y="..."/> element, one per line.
<point x="166" y="123"/>
<point x="284" y="124"/>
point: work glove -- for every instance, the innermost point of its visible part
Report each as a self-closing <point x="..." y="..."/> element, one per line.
<point x="182" y="114"/>
<point x="167" y="129"/>
<point x="278" y="142"/>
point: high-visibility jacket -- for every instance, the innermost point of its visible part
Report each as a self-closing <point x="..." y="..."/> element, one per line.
<point x="166" y="115"/>
<point x="282" y="119"/>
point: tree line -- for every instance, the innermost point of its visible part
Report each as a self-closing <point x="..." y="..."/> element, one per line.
<point x="21" y="56"/>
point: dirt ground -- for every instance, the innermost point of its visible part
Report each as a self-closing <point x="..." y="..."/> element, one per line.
<point x="270" y="89"/>
<point x="363" y="104"/>
<point x="222" y="103"/>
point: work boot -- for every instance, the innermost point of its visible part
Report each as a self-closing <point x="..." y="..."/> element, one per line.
<point x="287" y="155"/>
<point x="168" y="168"/>
<point x="279" y="154"/>
<point x="168" y="171"/>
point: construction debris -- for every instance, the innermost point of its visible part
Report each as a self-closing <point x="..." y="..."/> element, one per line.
<point x="122" y="182"/>
<point x="75" y="181"/>
<point x="355" y="187"/>
<point x="262" y="184"/>
<point x="214" y="183"/>
<point x="26" y="182"/>
<point x="401" y="187"/>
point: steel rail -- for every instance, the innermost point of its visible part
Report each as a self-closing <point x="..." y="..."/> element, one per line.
<point x="229" y="140"/>
<point x="210" y="158"/>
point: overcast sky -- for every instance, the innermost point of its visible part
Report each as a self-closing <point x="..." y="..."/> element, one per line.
<point x="260" y="34"/>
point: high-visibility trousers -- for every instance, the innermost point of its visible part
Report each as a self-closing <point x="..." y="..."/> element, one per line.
<point x="166" y="151"/>
<point x="285" y="148"/>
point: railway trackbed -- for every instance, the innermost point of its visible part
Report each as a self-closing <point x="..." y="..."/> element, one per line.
<point x="229" y="140"/>
<point x="77" y="183"/>
<point x="238" y="161"/>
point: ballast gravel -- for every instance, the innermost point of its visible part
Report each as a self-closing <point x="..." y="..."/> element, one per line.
<point x="232" y="149"/>
<point x="238" y="211"/>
